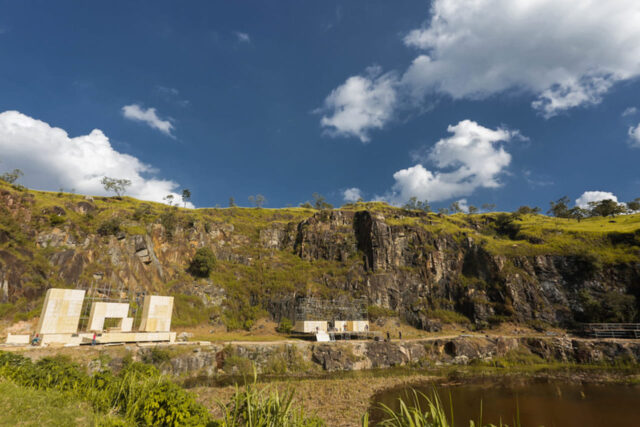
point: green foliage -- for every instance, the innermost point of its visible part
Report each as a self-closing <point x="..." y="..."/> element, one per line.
<point x="110" y="227"/>
<point x="560" y="208"/>
<point x="448" y="316"/>
<point x="141" y="212"/>
<point x="118" y="186"/>
<point x="306" y="205"/>
<point x="285" y="326"/>
<point x="11" y="177"/>
<point x="416" y="205"/>
<point x="258" y="200"/>
<point x="55" y="220"/>
<point x="634" y="205"/>
<point x="169" y="221"/>
<point x="606" y="208"/>
<point x="156" y="356"/>
<point x="376" y="312"/>
<point x="251" y="406"/>
<point x="424" y="411"/>
<point x="138" y="393"/>
<point x="237" y="365"/>
<point x="320" y="203"/>
<point x="23" y="406"/>
<point x="519" y="356"/>
<point x="505" y="225"/>
<point x="203" y="263"/>
<point x="609" y="307"/>
<point x="527" y="210"/>
<point x="190" y="310"/>
<point x="186" y="196"/>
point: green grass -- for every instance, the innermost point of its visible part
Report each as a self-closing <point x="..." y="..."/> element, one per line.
<point x="30" y="407"/>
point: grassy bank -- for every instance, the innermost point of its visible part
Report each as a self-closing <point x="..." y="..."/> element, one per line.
<point x="25" y="406"/>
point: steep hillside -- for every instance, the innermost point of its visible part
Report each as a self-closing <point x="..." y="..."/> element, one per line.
<point x="486" y="268"/>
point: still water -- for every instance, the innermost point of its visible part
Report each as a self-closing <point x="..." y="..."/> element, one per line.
<point x="539" y="403"/>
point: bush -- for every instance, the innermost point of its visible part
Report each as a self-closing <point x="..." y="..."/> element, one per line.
<point x="285" y="326"/>
<point x="376" y="312"/>
<point x="202" y="263"/>
<point x="448" y="316"/>
<point x="139" y="393"/>
<point x="169" y="221"/>
<point x="55" y="219"/>
<point x="110" y="227"/>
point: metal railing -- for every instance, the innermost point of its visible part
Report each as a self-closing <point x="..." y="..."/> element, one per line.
<point x="612" y="330"/>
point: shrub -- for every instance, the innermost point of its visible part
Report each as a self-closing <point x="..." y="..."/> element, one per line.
<point x="285" y="326"/>
<point x="156" y="356"/>
<point x="139" y="392"/>
<point x="448" y="316"/>
<point x="141" y="212"/>
<point x="202" y="263"/>
<point x="110" y="227"/>
<point x="190" y="310"/>
<point x="55" y="219"/>
<point x="376" y="312"/>
<point x="169" y="221"/>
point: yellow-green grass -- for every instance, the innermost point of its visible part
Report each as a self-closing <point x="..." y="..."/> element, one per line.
<point x="22" y="406"/>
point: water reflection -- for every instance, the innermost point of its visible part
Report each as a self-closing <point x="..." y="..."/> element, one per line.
<point x="539" y="403"/>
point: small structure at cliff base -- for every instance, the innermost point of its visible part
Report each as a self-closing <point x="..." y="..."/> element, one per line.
<point x="62" y="312"/>
<point x="329" y="320"/>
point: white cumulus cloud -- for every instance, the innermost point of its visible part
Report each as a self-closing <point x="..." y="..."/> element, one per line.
<point x="137" y="113"/>
<point x="594" y="196"/>
<point x="566" y="53"/>
<point x="360" y="104"/>
<point x="352" y="194"/>
<point x="630" y="111"/>
<point x="634" y="134"/>
<point x="51" y="159"/>
<point x="471" y="158"/>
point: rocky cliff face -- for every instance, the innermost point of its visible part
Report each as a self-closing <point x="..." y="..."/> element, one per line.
<point x="419" y="265"/>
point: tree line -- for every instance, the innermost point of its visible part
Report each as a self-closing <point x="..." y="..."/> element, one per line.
<point x="558" y="208"/>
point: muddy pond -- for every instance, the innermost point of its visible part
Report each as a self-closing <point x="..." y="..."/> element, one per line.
<point x="548" y="403"/>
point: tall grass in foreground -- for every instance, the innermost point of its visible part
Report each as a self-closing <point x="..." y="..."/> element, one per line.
<point x="255" y="407"/>
<point x="433" y="414"/>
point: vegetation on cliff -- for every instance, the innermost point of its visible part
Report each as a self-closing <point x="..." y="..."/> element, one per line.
<point x="235" y="265"/>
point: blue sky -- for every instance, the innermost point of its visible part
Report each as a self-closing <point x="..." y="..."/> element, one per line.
<point x="509" y="102"/>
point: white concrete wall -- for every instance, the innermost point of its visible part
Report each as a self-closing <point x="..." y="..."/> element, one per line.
<point x="18" y="339"/>
<point x="340" y="325"/>
<point x="156" y="314"/>
<point x="106" y="310"/>
<point x="358" y="326"/>
<point x="309" y="326"/>
<point x="61" y="311"/>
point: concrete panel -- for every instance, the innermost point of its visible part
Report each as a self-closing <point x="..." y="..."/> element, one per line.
<point x="156" y="313"/>
<point x="106" y="310"/>
<point x="61" y="311"/>
<point x="340" y="325"/>
<point x="127" y="324"/>
<point x="358" y="326"/>
<point x="18" y="339"/>
<point x="322" y="337"/>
